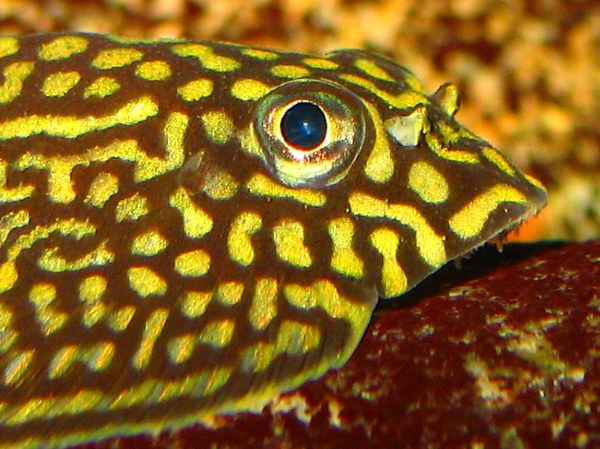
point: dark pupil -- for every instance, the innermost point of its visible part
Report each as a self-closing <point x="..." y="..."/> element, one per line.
<point x="304" y="126"/>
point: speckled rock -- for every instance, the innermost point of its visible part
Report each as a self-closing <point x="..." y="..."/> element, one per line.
<point x="502" y="353"/>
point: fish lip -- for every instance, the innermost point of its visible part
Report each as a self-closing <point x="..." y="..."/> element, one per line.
<point x="497" y="239"/>
<point x="536" y="200"/>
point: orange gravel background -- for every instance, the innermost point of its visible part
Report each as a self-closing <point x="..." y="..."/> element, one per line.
<point x="529" y="71"/>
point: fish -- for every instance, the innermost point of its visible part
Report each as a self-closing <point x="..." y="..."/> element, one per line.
<point x="188" y="229"/>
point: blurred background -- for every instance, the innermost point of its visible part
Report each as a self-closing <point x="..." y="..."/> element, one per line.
<point x="528" y="71"/>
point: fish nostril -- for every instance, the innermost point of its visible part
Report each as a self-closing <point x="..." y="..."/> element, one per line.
<point x="407" y="129"/>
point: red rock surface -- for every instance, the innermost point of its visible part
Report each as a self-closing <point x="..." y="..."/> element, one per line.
<point x="502" y="353"/>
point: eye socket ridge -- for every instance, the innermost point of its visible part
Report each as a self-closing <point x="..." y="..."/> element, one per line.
<point x="311" y="131"/>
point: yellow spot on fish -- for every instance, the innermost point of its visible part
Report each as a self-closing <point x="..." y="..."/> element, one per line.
<point x="319" y="63"/>
<point x="470" y="220"/>
<point x="153" y="70"/>
<point x="452" y="133"/>
<point x="393" y="279"/>
<point x="8" y="276"/>
<point x="62" y="360"/>
<point x="248" y="89"/>
<point x="196" y="90"/>
<point x="102" y="87"/>
<point x="181" y="348"/>
<point x="288" y="236"/>
<point x="373" y="70"/>
<point x="91" y="290"/>
<point x="261" y="185"/>
<point x="35" y="408"/>
<point x="42" y="295"/>
<point x="257" y="358"/>
<point x="132" y="40"/>
<point x="405" y="100"/>
<point x="60" y="186"/>
<point x="152" y="330"/>
<point x="262" y="55"/>
<point x="82" y="401"/>
<point x="146" y="282"/>
<point x="17" y="367"/>
<point x="239" y="243"/>
<point x="8" y="46"/>
<point x="535" y="182"/>
<point x="9" y="335"/>
<point x="380" y="165"/>
<point x="145" y="167"/>
<point x="428" y="183"/>
<point x="219" y="185"/>
<point x="429" y="244"/>
<point x="12" y="221"/>
<point x="120" y="319"/>
<point x="413" y="82"/>
<point x="8" y="273"/>
<point x="14" y="75"/>
<point x="290" y="71"/>
<point x="99" y="356"/>
<point x="206" y="57"/>
<point x="93" y="313"/>
<point x="116" y="57"/>
<point x="250" y="142"/>
<point x="51" y="261"/>
<point x="230" y="293"/>
<point x="102" y="188"/>
<point x="218" y="126"/>
<point x="498" y="160"/>
<point x="194" y="304"/>
<point x="454" y="155"/>
<point x="344" y="259"/>
<point x="323" y="294"/>
<point x="174" y="134"/>
<point x="297" y="338"/>
<point x="217" y="333"/>
<point x="133" y="112"/>
<point x="14" y="193"/>
<point x="193" y="263"/>
<point x="131" y="208"/>
<point x="149" y="244"/>
<point x="263" y="308"/>
<point x="214" y="379"/>
<point x="60" y="83"/>
<point x="196" y="222"/>
<point x="62" y="48"/>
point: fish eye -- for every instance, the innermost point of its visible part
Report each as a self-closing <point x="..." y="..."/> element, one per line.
<point x="310" y="132"/>
<point x="304" y="126"/>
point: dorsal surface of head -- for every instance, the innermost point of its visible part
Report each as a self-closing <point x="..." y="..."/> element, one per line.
<point x="380" y="181"/>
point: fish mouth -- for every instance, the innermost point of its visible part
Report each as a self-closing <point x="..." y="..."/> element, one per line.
<point x="500" y="237"/>
<point x="537" y="198"/>
<point x="504" y="220"/>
